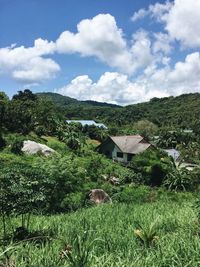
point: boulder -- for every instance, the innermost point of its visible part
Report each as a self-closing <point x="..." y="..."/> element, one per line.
<point x="99" y="196"/>
<point x="114" y="180"/>
<point x="31" y="147"/>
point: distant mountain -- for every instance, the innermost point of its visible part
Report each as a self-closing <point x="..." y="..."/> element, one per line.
<point x="64" y="101"/>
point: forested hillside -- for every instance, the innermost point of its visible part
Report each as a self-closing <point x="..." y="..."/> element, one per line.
<point x="173" y="112"/>
<point x="182" y="111"/>
<point x="38" y="189"/>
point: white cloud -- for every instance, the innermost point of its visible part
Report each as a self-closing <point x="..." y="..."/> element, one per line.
<point x="140" y="14"/>
<point x="99" y="37"/>
<point x="114" y="87"/>
<point x="157" y="11"/>
<point x="111" y="87"/>
<point x="182" y="22"/>
<point x="36" y="70"/>
<point x="141" y="50"/>
<point x="27" y="64"/>
<point x="162" y="43"/>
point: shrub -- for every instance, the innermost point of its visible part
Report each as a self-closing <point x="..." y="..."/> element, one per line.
<point x="132" y="194"/>
<point x="16" y="146"/>
<point x="72" y="201"/>
<point x="153" y="165"/>
<point x="147" y="235"/>
<point x="178" y="180"/>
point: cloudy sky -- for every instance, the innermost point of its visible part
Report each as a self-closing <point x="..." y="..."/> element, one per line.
<point x="117" y="51"/>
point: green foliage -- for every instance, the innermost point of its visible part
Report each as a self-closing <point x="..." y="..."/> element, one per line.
<point x="179" y="179"/>
<point x="2" y="141"/>
<point x="110" y="232"/>
<point x="23" y="191"/>
<point x="132" y="194"/>
<point x="17" y="145"/>
<point x="153" y="165"/>
<point x="78" y="253"/>
<point x="73" y="201"/>
<point x="146" y="128"/>
<point x="197" y="208"/>
<point x="147" y="235"/>
<point x="94" y="132"/>
<point x="174" y="139"/>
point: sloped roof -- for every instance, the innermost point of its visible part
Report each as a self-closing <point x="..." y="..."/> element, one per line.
<point x="132" y="144"/>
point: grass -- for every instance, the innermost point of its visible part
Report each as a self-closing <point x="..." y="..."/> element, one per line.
<point x="104" y="236"/>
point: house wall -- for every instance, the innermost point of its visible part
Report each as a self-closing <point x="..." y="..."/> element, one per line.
<point x="114" y="155"/>
<point x="107" y="148"/>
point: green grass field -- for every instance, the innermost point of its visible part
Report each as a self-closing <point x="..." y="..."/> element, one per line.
<point x="104" y="236"/>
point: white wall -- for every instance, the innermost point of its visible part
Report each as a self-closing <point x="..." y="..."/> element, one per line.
<point x="114" y="155"/>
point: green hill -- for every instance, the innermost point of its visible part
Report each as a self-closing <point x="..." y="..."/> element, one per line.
<point x="181" y="111"/>
<point x="64" y="101"/>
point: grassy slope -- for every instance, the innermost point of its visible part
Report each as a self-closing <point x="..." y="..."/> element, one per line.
<point x="113" y="226"/>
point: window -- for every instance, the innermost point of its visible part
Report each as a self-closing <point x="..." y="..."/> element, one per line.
<point x="129" y="157"/>
<point x="120" y="155"/>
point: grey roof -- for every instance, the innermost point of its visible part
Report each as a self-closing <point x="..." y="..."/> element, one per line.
<point x="131" y="144"/>
<point x="87" y="122"/>
<point x="175" y="154"/>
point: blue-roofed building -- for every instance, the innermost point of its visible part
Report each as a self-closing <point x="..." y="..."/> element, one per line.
<point x="87" y="122"/>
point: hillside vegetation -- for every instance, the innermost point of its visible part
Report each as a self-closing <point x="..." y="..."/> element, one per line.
<point x="173" y="112"/>
<point x="107" y="236"/>
<point x="47" y="215"/>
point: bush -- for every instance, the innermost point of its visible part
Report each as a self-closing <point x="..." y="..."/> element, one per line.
<point x="153" y="165"/>
<point x="73" y="201"/>
<point x="16" y="146"/>
<point x="132" y="194"/>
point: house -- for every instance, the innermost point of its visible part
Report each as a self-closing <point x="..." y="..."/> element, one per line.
<point x="123" y="148"/>
<point x="87" y="122"/>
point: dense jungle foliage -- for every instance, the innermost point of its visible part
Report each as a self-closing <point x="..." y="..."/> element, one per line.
<point x="154" y="219"/>
<point x="181" y="112"/>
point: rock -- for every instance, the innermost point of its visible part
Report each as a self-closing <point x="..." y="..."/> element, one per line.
<point x="31" y="147"/>
<point x="114" y="180"/>
<point x="99" y="196"/>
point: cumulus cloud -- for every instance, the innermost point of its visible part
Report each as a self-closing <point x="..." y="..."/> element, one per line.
<point x="141" y="50"/>
<point x="114" y="87"/>
<point x="162" y="43"/>
<point x="99" y="37"/>
<point x="157" y="11"/>
<point x="181" y="20"/>
<point x="140" y="14"/>
<point x="111" y="87"/>
<point x="28" y="64"/>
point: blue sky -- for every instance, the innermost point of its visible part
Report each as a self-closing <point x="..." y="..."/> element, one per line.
<point x="123" y="51"/>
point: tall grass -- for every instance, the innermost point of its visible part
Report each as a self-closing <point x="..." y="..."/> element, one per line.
<point x="105" y="236"/>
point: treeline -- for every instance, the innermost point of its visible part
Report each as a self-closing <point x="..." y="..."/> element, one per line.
<point x="25" y="112"/>
<point x="180" y="112"/>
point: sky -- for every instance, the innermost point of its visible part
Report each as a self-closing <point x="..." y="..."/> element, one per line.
<point x="115" y="51"/>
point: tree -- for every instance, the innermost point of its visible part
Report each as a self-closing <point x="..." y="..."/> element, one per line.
<point x="3" y="105"/>
<point x="23" y="191"/>
<point x="146" y="128"/>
